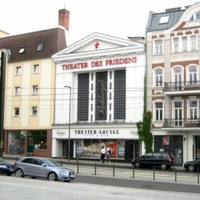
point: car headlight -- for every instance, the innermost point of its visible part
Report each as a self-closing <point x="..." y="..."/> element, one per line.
<point x="64" y="172"/>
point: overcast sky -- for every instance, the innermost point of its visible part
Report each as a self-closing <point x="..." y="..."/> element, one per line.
<point x="120" y="18"/>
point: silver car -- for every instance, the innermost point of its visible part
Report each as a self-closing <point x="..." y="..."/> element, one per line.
<point x="42" y="168"/>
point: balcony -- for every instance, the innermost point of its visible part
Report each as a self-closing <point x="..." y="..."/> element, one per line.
<point x="183" y="87"/>
<point x="181" y="123"/>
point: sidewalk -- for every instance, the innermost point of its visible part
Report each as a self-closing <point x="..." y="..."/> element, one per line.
<point x="86" y="162"/>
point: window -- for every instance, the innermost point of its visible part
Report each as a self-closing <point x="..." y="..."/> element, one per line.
<point x="158" y="111"/>
<point x="35" y="89"/>
<point x="184" y="43"/>
<point x="178" y="113"/>
<point x="178" y="76"/>
<point x="158" y="77"/>
<point x="39" y="47"/>
<point x="196" y="16"/>
<point x="193" y="75"/>
<point x="164" y="19"/>
<point x="34" y="111"/>
<point x="176" y="44"/>
<point x="193" y="42"/>
<point x="17" y="90"/>
<point x="158" y="47"/>
<point x="36" y="69"/>
<point x="193" y="109"/>
<point x="21" y="50"/>
<point x="18" y="70"/>
<point x="16" y="111"/>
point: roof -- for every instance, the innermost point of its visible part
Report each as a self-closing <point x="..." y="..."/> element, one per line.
<point x="173" y="15"/>
<point x="52" y="41"/>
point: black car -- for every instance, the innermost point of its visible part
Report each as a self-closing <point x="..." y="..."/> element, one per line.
<point x="6" y="168"/>
<point x="192" y="165"/>
<point x="154" y="159"/>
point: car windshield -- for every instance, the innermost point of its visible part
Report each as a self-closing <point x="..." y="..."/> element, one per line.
<point x="51" y="163"/>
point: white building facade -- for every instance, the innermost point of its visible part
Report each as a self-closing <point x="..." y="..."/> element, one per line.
<point x="99" y="97"/>
<point x="173" y="72"/>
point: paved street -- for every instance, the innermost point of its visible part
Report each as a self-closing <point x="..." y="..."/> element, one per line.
<point x="31" y="189"/>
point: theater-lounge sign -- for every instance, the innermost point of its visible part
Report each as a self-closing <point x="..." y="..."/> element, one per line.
<point x="99" y="63"/>
<point x="97" y="133"/>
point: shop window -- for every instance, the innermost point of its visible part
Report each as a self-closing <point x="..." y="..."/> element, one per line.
<point x="37" y="140"/>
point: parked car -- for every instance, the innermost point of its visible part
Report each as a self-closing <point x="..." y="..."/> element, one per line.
<point x="154" y="159"/>
<point x="37" y="167"/>
<point x="192" y="165"/>
<point x="6" y="168"/>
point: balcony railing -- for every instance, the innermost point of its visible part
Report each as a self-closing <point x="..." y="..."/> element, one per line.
<point x="181" y="86"/>
<point x="181" y="123"/>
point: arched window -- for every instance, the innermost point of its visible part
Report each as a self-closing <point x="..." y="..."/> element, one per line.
<point x="192" y="74"/>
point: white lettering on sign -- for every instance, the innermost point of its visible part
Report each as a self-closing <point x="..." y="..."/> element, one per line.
<point x="99" y="63"/>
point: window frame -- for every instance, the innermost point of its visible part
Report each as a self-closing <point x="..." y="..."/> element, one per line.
<point x="35" y="68"/>
<point x="17" y="90"/>
<point x="35" y="89"/>
<point x="16" y="111"/>
<point x="34" y="110"/>
<point x="158" y="47"/>
<point x="18" y="70"/>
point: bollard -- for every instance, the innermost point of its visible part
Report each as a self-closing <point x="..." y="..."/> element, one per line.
<point x="77" y="167"/>
<point x="61" y="162"/>
<point x="154" y="172"/>
<point x="113" y="170"/>
<point x="95" y="168"/>
<point x="198" y="175"/>
<point x="133" y="171"/>
<point x="175" y="175"/>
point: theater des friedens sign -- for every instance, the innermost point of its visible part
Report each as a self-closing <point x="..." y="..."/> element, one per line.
<point x="99" y="63"/>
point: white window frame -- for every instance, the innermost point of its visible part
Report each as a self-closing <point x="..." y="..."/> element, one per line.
<point x="36" y="69"/>
<point x="34" y="110"/>
<point x="184" y="44"/>
<point x="18" y="70"/>
<point x="178" y="122"/>
<point x="193" y="42"/>
<point x="17" y="90"/>
<point x="158" y="78"/>
<point x="176" y="44"/>
<point x="16" y="111"/>
<point x="160" y="111"/>
<point x="158" y="47"/>
<point x="35" y="89"/>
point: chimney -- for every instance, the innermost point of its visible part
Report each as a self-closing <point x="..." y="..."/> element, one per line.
<point x="64" y="18"/>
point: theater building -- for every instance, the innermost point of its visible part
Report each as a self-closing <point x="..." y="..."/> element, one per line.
<point x="99" y="97"/>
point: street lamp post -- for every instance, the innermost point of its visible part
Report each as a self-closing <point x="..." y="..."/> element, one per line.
<point x="69" y="121"/>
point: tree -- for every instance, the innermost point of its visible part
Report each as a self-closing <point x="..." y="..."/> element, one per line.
<point x="144" y="128"/>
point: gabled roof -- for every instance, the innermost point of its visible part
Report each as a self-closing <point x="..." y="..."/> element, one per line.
<point x="52" y="41"/>
<point x="98" y="44"/>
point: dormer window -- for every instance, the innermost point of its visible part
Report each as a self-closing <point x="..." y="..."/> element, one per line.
<point x="39" y="47"/>
<point x="196" y="16"/>
<point x="164" y="20"/>
<point x="21" y="50"/>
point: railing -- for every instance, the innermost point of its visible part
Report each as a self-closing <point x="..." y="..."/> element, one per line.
<point x="177" y="123"/>
<point x="181" y="86"/>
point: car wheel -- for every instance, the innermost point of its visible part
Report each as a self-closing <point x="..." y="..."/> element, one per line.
<point x="19" y="173"/>
<point x="163" y="166"/>
<point x="137" y="165"/>
<point x="52" y="176"/>
<point x="191" y="168"/>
